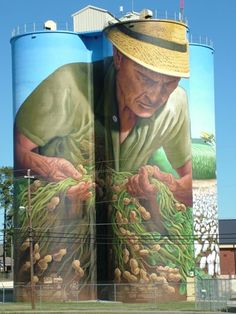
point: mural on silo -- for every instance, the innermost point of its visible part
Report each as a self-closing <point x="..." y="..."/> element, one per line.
<point x="54" y="137"/>
<point x="149" y="147"/>
<point x="204" y="160"/>
<point x="107" y="137"/>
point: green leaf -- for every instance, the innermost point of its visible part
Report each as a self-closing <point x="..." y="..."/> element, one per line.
<point x="156" y="236"/>
<point x="182" y="288"/>
<point x="152" y="260"/>
<point x="178" y="218"/>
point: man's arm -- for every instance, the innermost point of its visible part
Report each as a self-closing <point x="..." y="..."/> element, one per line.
<point x="139" y="185"/>
<point x="51" y="168"/>
<point x="182" y="187"/>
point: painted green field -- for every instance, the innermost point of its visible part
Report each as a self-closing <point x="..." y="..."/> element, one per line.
<point x="203" y="161"/>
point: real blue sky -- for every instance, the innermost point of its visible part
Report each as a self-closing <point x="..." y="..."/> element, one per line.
<point x="212" y="18"/>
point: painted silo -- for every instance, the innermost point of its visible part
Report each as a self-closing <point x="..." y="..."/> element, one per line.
<point x="151" y="243"/>
<point x="202" y="112"/>
<point x="54" y="112"/>
<point x="68" y="144"/>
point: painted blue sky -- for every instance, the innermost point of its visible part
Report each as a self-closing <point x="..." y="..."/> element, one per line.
<point x="213" y="19"/>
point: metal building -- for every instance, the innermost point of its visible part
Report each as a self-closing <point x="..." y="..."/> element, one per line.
<point x="92" y="19"/>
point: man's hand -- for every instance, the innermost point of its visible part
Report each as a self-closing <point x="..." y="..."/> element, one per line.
<point x="81" y="191"/>
<point x="78" y="193"/>
<point x="52" y="168"/>
<point x="60" y="169"/>
<point x="139" y="185"/>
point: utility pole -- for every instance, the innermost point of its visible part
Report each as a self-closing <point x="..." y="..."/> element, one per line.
<point x="6" y="206"/>
<point x="4" y="238"/>
<point x="32" y="288"/>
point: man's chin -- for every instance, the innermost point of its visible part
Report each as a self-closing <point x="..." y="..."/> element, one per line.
<point x="145" y="114"/>
<point x="145" y="111"/>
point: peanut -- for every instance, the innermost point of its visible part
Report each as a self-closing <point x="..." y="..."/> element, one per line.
<point x="57" y="257"/>
<point x="36" y="247"/>
<point x="43" y="265"/>
<point x="136" y="247"/>
<point x="125" y="221"/>
<point x="36" y="257"/>
<point x="117" y="273"/>
<point x="48" y="258"/>
<point x="119" y="218"/>
<point x="25" y="266"/>
<point x="133" y="263"/>
<point x="150" y="170"/>
<point x="35" y="279"/>
<point x="143" y="276"/>
<point x="76" y="264"/>
<point x="25" y="245"/>
<point x="114" y="197"/>
<point x="122" y="231"/>
<point x="156" y="247"/>
<point x="63" y="252"/>
<point x="141" y="209"/>
<point x="135" y="271"/>
<point x="143" y="252"/>
<point x="80" y="272"/>
<point x="126" y="201"/>
<point x="126" y="274"/>
<point x="146" y="215"/>
<point x="133" y="216"/>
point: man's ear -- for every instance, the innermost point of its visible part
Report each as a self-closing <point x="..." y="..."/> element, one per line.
<point x="117" y="56"/>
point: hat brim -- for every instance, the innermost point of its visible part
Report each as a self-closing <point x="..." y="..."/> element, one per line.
<point x="157" y="59"/>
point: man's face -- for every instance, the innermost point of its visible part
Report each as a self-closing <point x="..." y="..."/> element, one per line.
<point x="142" y="90"/>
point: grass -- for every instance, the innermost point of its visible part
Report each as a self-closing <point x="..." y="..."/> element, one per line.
<point x="95" y="307"/>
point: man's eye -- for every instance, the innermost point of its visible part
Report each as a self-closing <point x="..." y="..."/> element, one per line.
<point x="142" y="77"/>
<point x="147" y="80"/>
<point x="169" y="84"/>
<point x="172" y="82"/>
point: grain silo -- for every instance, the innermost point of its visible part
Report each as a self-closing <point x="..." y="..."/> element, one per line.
<point x="68" y="123"/>
<point x="56" y="230"/>
<point x="202" y="112"/>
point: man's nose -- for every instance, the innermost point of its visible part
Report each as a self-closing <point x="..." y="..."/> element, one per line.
<point x="154" y="93"/>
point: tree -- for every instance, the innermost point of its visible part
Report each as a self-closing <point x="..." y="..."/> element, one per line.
<point x="6" y="202"/>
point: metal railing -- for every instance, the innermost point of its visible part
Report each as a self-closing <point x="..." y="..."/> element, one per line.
<point x="176" y="16"/>
<point x="215" y="294"/>
<point x="39" y="26"/>
<point x="68" y="26"/>
<point x="65" y="26"/>
<point x="6" y="276"/>
<point x="206" y="295"/>
<point x="115" y="292"/>
<point x="202" y="40"/>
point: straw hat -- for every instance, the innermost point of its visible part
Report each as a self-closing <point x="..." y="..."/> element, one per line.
<point x="159" y="45"/>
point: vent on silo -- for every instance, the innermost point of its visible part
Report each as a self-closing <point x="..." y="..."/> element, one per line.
<point x="50" y="25"/>
<point x="146" y="14"/>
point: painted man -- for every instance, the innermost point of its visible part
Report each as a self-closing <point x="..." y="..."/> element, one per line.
<point x="144" y="109"/>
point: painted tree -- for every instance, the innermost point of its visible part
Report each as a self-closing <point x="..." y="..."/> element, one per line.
<point x="6" y="203"/>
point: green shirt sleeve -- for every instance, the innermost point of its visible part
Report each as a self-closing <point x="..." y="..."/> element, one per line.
<point x="177" y="143"/>
<point x="53" y="108"/>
